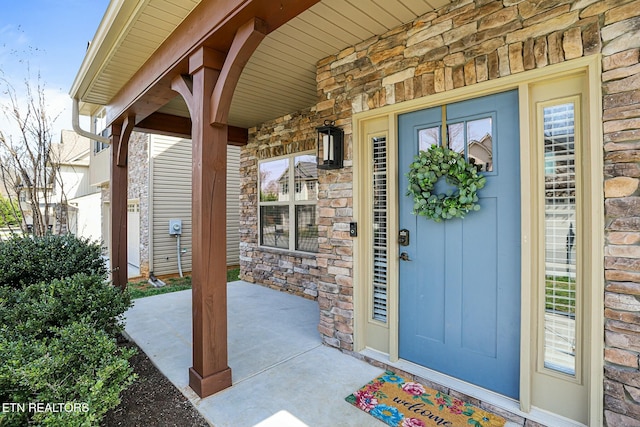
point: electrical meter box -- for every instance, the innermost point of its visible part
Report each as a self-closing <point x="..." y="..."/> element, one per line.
<point x="175" y="227"/>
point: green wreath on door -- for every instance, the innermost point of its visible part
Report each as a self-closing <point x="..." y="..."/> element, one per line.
<point x="425" y="171"/>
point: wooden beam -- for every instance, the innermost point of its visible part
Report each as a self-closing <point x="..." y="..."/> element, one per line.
<point x="237" y="136"/>
<point x="244" y="44"/>
<point x="213" y="23"/>
<point x="123" y="143"/>
<point x="170" y="125"/>
<point x="183" y="84"/>
<point x="118" y="206"/>
<point x="166" y="124"/>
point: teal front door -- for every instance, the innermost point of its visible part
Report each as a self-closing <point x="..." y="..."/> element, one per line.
<point x="460" y="278"/>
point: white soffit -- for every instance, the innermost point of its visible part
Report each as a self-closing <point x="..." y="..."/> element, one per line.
<point x="150" y="23"/>
<point x="280" y="78"/>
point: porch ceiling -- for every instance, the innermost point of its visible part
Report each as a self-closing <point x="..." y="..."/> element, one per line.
<point x="279" y="78"/>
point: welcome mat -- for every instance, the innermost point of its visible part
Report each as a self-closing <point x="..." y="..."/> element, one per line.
<point x="402" y="403"/>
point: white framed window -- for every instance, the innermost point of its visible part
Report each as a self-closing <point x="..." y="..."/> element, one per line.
<point x="99" y="124"/>
<point x="288" y="221"/>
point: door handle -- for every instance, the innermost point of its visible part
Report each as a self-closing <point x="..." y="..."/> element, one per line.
<point x="404" y="256"/>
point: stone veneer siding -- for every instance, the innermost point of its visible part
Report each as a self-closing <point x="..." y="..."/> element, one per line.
<point x="461" y="44"/>
<point x="289" y="271"/>
<point x="138" y="188"/>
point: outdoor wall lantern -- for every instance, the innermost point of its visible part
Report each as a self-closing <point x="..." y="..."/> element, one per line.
<point x="330" y="146"/>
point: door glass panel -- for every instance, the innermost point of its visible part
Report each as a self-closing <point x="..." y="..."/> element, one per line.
<point x="480" y="143"/>
<point x="428" y="137"/>
<point x="560" y="239"/>
<point x="380" y="252"/>
<point x="456" y="137"/>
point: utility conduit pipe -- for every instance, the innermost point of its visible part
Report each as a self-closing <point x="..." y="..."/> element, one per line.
<point x="179" y="255"/>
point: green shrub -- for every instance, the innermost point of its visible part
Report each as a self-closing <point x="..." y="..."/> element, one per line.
<point x="79" y="364"/>
<point x="27" y="260"/>
<point x="58" y="325"/>
<point x="9" y="212"/>
<point x="39" y="308"/>
<point x="58" y="345"/>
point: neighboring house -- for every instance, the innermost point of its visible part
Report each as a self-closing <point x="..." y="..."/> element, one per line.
<point x="159" y="191"/>
<point x="530" y="305"/>
<point x="67" y="188"/>
<point x="45" y="196"/>
<point x="481" y="153"/>
<point x="75" y="208"/>
<point x="305" y="177"/>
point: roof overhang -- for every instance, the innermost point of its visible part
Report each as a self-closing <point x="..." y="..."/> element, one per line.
<point x="141" y="46"/>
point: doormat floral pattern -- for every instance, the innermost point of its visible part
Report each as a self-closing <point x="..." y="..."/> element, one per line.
<point x="402" y="403"/>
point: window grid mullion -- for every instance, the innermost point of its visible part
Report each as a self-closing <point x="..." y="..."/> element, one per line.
<point x="291" y="202"/>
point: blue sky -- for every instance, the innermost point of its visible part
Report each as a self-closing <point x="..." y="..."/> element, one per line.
<point x="52" y="36"/>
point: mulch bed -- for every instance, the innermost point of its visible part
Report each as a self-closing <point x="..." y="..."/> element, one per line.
<point x="152" y="400"/>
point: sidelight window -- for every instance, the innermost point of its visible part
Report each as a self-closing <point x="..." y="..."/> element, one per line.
<point x="380" y="252"/>
<point x="560" y="238"/>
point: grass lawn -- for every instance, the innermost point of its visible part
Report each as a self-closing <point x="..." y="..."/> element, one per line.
<point x="560" y="294"/>
<point x="144" y="289"/>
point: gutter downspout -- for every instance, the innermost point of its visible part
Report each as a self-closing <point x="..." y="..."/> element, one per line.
<point x="75" y="123"/>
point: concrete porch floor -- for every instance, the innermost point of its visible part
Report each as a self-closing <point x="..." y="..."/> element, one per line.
<point x="282" y="374"/>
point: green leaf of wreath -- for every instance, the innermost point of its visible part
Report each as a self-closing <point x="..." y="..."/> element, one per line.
<point x="427" y="168"/>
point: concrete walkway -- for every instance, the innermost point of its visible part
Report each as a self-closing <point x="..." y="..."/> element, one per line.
<point x="282" y="374"/>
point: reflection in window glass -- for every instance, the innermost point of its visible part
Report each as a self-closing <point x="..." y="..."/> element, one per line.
<point x="455" y="133"/>
<point x="306" y="178"/>
<point x="274" y="180"/>
<point x="306" y="228"/>
<point x="560" y="239"/>
<point x="428" y="137"/>
<point x="274" y="222"/>
<point x="480" y="143"/>
<point x="288" y="194"/>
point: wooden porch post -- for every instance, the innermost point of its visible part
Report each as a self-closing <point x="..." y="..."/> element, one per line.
<point x="208" y="92"/>
<point x="118" y="204"/>
<point x="210" y="372"/>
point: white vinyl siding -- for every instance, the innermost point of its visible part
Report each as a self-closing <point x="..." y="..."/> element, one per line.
<point x="171" y="199"/>
<point x="76" y="182"/>
<point x="233" y="205"/>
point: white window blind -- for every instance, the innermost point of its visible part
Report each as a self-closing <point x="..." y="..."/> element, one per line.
<point x="380" y="252"/>
<point x="560" y="238"/>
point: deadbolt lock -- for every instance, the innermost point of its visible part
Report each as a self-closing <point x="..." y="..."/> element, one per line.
<point x="404" y="256"/>
<point x="403" y="237"/>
